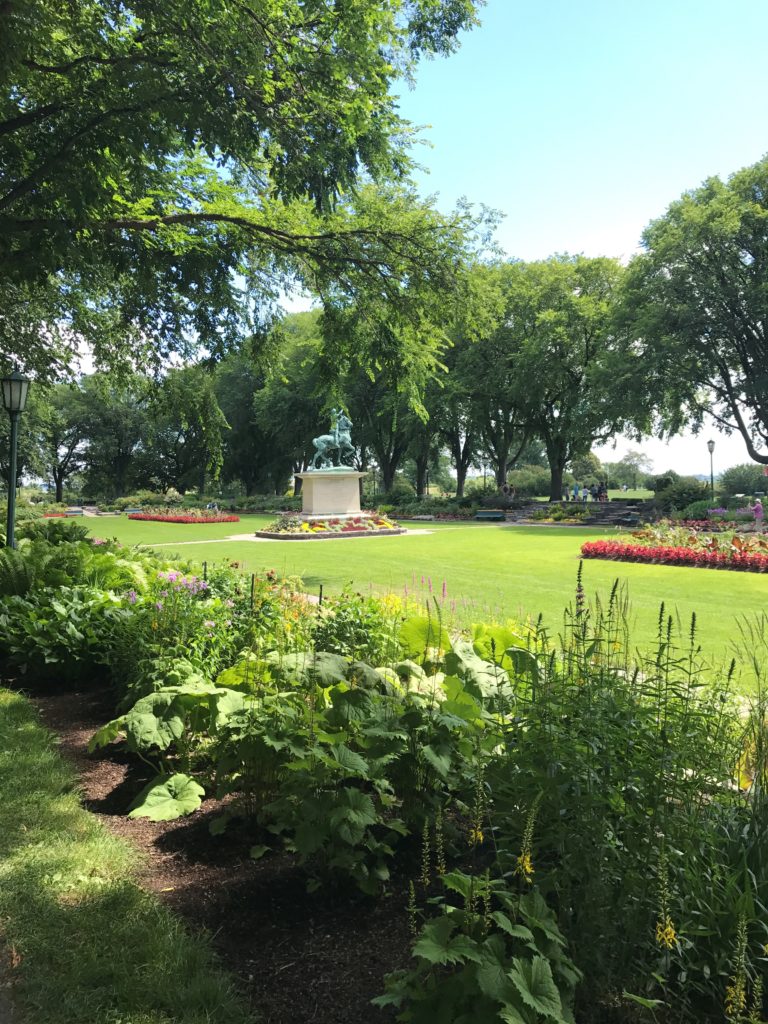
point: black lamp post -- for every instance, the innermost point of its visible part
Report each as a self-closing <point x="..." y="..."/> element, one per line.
<point x="711" y="448"/>
<point x="15" y="390"/>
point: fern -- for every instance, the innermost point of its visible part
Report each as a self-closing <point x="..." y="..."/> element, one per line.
<point x="16" y="573"/>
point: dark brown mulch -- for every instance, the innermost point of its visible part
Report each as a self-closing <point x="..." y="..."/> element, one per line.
<point x="300" y="958"/>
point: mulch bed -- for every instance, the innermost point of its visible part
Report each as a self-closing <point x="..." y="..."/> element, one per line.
<point x="298" y="958"/>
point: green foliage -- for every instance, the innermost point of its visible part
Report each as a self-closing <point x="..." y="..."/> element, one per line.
<point x="96" y="945"/>
<point x="679" y="493"/>
<point x="484" y="965"/>
<point x="697" y="509"/>
<point x="743" y="479"/>
<point x="124" y="145"/>
<point x="54" y="531"/>
<point x="529" y="481"/>
<point x="692" y="299"/>
<point x="357" y="627"/>
<point x="167" y="798"/>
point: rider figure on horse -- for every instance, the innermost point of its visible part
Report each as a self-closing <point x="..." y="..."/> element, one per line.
<point x="339" y="440"/>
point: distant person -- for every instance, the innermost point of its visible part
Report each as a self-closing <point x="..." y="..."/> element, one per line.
<point x="593" y="492"/>
<point x="625" y="488"/>
<point x="576" y="492"/>
<point x="585" y="494"/>
<point x="566" y="492"/>
<point x="758" y="513"/>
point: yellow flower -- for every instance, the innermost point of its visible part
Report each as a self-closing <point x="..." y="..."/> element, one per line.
<point x="304" y="526"/>
<point x="475" y="837"/>
<point x="524" y="866"/>
<point x="735" y="998"/>
<point x="665" y="932"/>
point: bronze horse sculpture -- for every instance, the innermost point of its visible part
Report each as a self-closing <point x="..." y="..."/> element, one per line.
<point x="339" y="440"/>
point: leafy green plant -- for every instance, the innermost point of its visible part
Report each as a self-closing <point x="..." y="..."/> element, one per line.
<point x="362" y="628"/>
<point x="491" y="955"/>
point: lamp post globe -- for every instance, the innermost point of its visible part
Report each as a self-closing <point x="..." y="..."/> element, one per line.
<point x="14" y="391"/>
<point x="710" y="449"/>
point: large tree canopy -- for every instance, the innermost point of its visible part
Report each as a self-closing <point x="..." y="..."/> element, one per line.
<point x="572" y="381"/>
<point x="697" y="304"/>
<point x="166" y="168"/>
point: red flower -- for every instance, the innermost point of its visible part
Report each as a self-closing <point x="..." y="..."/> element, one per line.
<point x="158" y="517"/>
<point x="668" y="555"/>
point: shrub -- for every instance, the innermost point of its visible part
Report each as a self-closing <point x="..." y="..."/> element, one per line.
<point x="401" y="492"/>
<point x="700" y="509"/>
<point x="680" y="493"/>
<point x="529" y="481"/>
<point x="743" y="479"/>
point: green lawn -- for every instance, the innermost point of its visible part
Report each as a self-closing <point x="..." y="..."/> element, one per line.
<point x="90" y="945"/>
<point x="488" y="571"/>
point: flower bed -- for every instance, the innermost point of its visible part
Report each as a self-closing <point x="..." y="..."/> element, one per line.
<point x="620" y="551"/>
<point x="187" y="517"/>
<point x="54" y="515"/>
<point x="292" y="527"/>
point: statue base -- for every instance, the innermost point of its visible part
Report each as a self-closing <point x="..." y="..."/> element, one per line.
<point x="330" y="492"/>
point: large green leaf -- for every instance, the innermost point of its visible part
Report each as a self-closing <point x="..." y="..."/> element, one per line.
<point x="491" y="642"/>
<point x="536" y="986"/>
<point x="248" y="674"/>
<point x="492" y="971"/>
<point x="440" y="759"/>
<point x="425" y="638"/>
<point x="349" y="760"/>
<point x="167" y="798"/>
<point x="537" y="914"/>
<point x="106" y="734"/>
<point x="322" y="667"/>
<point x="481" y="678"/>
<point x="156" y="720"/>
<point x="439" y="945"/>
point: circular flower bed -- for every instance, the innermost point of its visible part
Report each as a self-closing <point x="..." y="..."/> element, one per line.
<point x="190" y="516"/>
<point x="292" y="527"/>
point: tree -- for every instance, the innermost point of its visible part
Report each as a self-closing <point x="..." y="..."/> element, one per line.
<point x="634" y="464"/>
<point x="289" y="409"/>
<point x="695" y="304"/>
<point x="153" y="153"/>
<point x="115" y="425"/>
<point x="743" y="479"/>
<point x="586" y="467"/>
<point x="59" y="431"/>
<point x="381" y="414"/>
<point x="575" y="380"/>
<point x="185" y="428"/>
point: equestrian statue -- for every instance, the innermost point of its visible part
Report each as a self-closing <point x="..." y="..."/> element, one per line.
<point x="339" y="441"/>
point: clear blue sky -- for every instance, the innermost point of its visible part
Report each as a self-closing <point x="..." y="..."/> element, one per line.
<point x="582" y="121"/>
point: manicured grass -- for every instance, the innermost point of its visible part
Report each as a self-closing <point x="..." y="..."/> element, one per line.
<point x="87" y="944"/>
<point x="489" y="571"/>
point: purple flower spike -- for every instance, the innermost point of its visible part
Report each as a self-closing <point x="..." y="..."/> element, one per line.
<point x="445" y="590"/>
<point x="159" y="605"/>
<point x="132" y="595"/>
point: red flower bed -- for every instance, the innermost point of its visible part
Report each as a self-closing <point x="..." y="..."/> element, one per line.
<point x="664" y="555"/>
<point x="159" y="517"/>
<point x="54" y="515"/>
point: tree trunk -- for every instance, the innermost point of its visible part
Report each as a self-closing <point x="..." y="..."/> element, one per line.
<point x="461" y="478"/>
<point x="58" y="480"/>
<point x="556" y="482"/>
<point x="422" y="465"/>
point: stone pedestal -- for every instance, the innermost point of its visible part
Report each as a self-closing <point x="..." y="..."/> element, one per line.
<point x="330" y="492"/>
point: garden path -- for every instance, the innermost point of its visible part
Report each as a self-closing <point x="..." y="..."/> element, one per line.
<point x="305" y="958"/>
